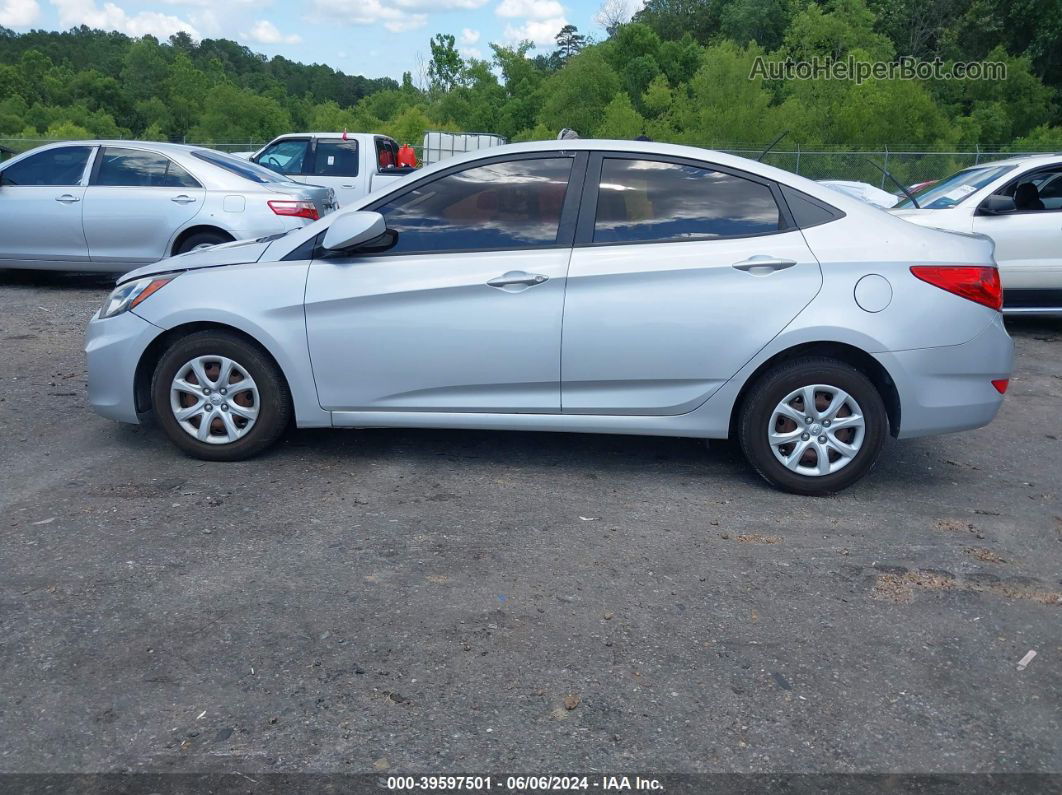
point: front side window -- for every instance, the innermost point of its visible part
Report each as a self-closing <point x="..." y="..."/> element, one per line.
<point x="335" y="159"/>
<point x="507" y="205"/>
<point x="649" y="201"/>
<point x="285" y="157"/>
<point x="136" y="168"/>
<point x="1035" y="192"/>
<point x="62" y="166"/>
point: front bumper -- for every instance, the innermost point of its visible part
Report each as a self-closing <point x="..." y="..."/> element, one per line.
<point x="950" y="388"/>
<point x="113" y="348"/>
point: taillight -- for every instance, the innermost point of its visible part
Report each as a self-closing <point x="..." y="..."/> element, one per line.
<point x="977" y="283"/>
<point x="1001" y="385"/>
<point x="295" y="209"/>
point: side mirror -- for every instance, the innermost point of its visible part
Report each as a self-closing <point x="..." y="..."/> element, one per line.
<point x="997" y="205"/>
<point x="352" y="229"/>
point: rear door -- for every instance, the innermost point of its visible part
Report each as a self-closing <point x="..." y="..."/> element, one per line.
<point x="463" y="312"/>
<point x="136" y="202"/>
<point x="333" y="163"/>
<point x="681" y="272"/>
<point x="41" y="206"/>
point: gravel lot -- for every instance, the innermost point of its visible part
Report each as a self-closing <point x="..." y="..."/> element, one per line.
<point x="429" y="601"/>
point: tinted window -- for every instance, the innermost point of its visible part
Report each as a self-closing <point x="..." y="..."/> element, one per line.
<point x="240" y="167"/>
<point x="63" y="166"/>
<point x="515" y="204"/>
<point x="651" y="201"/>
<point x="808" y="211"/>
<point x="335" y="159"/>
<point x="135" y="168"/>
<point x="386" y="153"/>
<point x="285" y="157"/>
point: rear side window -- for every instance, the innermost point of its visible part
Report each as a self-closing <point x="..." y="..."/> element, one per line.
<point x="285" y="157"/>
<point x="807" y="211"/>
<point x="62" y="166"/>
<point x="650" y="201"/>
<point x="386" y="153"/>
<point x="335" y="159"/>
<point x="508" y="205"/>
<point x="136" y="168"/>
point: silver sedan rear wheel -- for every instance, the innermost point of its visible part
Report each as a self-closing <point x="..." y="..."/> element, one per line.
<point x="214" y="399"/>
<point x="816" y="430"/>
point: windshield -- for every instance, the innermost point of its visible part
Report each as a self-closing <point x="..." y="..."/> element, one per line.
<point x="241" y="167"/>
<point x="953" y="190"/>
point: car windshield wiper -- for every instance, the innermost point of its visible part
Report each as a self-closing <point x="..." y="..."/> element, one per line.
<point x="896" y="182"/>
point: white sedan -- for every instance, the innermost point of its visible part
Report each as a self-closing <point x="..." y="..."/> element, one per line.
<point x="1017" y="203"/>
<point x="863" y="191"/>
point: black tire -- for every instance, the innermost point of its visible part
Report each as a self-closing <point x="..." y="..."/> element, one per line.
<point x="201" y="239"/>
<point x="769" y="392"/>
<point x="273" y="403"/>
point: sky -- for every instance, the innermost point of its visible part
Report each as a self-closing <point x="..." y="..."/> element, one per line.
<point x="376" y="38"/>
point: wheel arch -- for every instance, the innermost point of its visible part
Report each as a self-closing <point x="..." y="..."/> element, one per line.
<point x="184" y="234"/>
<point x="149" y="359"/>
<point x="849" y="354"/>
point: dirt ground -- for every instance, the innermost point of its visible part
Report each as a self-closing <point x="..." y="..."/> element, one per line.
<point x="430" y="601"/>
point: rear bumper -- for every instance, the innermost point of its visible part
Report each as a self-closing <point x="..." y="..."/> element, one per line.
<point x="113" y="348"/>
<point x="949" y="388"/>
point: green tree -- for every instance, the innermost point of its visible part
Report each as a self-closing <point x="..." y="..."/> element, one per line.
<point x="620" y="120"/>
<point x="445" y="67"/>
<point x="576" y="96"/>
<point x="569" y="42"/>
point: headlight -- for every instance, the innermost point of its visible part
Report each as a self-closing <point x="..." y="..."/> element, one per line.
<point x="128" y="295"/>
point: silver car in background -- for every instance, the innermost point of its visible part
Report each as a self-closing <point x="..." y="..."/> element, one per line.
<point x="581" y="285"/>
<point x="113" y="205"/>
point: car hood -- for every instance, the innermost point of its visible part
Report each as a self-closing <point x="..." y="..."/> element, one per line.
<point x="235" y="253"/>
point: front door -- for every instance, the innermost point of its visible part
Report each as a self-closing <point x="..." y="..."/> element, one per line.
<point x="1029" y="240"/>
<point x="681" y="273"/>
<point x="463" y="312"/>
<point x="136" y="202"/>
<point x="41" y="206"/>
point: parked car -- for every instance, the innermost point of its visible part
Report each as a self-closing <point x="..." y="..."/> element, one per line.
<point x="1018" y="204"/>
<point x="587" y="285"/>
<point x="351" y="164"/>
<point x="863" y="191"/>
<point x="111" y="205"/>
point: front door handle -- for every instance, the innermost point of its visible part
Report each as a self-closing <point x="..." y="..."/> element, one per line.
<point x="761" y="265"/>
<point x="515" y="281"/>
<point x="182" y="199"/>
<point x="67" y="198"/>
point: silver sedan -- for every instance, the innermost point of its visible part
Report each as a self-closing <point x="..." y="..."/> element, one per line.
<point x="112" y="205"/>
<point x="587" y="286"/>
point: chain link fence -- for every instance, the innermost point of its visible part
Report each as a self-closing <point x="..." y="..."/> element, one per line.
<point x="909" y="167"/>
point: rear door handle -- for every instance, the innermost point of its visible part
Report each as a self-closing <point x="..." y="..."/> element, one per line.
<point x="761" y="265"/>
<point x="67" y="198"/>
<point x="514" y="281"/>
<point x="182" y="199"/>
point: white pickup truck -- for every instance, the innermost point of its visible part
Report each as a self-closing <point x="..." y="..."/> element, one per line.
<point x="352" y="164"/>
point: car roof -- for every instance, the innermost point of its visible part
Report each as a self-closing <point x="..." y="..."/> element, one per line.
<point x="161" y="146"/>
<point x="1024" y="160"/>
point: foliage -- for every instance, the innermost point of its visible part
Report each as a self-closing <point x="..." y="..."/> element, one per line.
<point x="680" y="70"/>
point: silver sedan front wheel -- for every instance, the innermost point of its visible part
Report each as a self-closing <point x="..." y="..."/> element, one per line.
<point x="816" y="430"/>
<point x="214" y="399"/>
